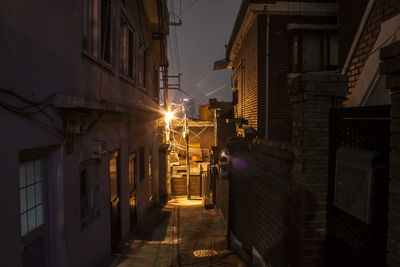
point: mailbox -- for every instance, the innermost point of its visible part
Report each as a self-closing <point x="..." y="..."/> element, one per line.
<point x="354" y="180"/>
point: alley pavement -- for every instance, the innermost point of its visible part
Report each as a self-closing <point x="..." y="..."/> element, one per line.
<point x="181" y="233"/>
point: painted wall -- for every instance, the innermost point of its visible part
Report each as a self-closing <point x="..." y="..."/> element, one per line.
<point x="41" y="56"/>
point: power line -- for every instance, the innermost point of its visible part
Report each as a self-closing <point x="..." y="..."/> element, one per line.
<point x="190" y="6"/>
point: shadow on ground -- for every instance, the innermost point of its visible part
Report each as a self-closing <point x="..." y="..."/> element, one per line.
<point x="180" y="233"/>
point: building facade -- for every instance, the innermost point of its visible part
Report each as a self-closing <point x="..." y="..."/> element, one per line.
<point x="302" y="62"/>
<point x="269" y="41"/>
<point x="79" y="125"/>
<point x="377" y="27"/>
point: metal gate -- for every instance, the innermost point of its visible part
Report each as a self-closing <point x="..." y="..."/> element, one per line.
<point x="351" y="241"/>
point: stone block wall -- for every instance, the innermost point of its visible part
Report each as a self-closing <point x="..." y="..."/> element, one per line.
<point x="390" y="67"/>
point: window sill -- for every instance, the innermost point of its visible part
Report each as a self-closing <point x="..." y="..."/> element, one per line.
<point x="101" y="64"/>
<point x="144" y="90"/>
<point x="127" y="79"/>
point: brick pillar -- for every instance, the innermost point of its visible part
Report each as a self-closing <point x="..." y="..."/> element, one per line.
<point x="312" y="95"/>
<point x="391" y="68"/>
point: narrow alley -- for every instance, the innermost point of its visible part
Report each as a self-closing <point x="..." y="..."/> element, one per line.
<point x="181" y="233"/>
<point x="152" y="133"/>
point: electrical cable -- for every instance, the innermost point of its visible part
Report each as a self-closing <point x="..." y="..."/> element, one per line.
<point x="381" y="45"/>
<point x="190" y="6"/>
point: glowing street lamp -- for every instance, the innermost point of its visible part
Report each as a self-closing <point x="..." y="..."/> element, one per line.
<point x="168" y="116"/>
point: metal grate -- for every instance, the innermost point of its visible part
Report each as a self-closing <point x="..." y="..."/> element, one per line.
<point x="351" y="242"/>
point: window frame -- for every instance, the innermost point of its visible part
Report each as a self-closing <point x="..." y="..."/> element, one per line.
<point x="156" y="93"/>
<point x="128" y="52"/>
<point x="142" y="163"/>
<point x="92" y="41"/>
<point x="324" y="51"/>
<point x="142" y="67"/>
<point x="132" y="174"/>
<point x="31" y="235"/>
<point x="150" y="175"/>
<point x="89" y="214"/>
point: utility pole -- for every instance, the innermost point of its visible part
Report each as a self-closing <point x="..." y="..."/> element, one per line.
<point x="187" y="156"/>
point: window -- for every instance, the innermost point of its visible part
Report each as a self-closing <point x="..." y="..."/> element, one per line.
<point x="127" y="54"/>
<point x="156" y="83"/>
<point x="150" y="178"/>
<point x="114" y="176"/>
<point x="96" y="29"/>
<point x="90" y="191"/>
<point x="150" y="165"/>
<point x="132" y="174"/>
<point x="142" y="164"/>
<point x="314" y="51"/>
<point x="31" y="195"/>
<point x="142" y="68"/>
<point x="105" y="30"/>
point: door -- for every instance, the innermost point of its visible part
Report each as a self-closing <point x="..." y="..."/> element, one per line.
<point x="132" y="190"/>
<point x="33" y="215"/>
<point x="114" y="167"/>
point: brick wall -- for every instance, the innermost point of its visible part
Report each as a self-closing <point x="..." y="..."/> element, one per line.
<point x="278" y="192"/>
<point x="246" y="76"/>
<point x="252" y="83"/>
<point x="259" y="200"/>
<point x="312" y="96"/>
<point x="349" y="18"/>
<point x="381" y="12"/>
<point x="391" y="67"/>
<point x="279" y="107"/>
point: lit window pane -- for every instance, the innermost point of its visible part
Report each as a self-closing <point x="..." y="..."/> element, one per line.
<point x="31" y="220"/>
<point x="22" y="200"/>
<point x="30" y="172"/>
<point x="38" y="192"/>
<point x="24" y="224"/>
<point x="38" y="170"/>
<point x="31" y="196"/>
<point x="39" y="215"/>
<point x="22" y="176"/>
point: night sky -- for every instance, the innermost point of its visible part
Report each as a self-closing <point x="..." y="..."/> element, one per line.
<point x="207" y="26"/>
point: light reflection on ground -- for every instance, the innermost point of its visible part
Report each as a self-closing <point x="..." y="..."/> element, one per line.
<point x="183" y="201"/>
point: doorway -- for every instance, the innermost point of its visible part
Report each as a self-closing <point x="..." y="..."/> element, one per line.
<point x="132" y="190"/>
<point x="114" y="167"/>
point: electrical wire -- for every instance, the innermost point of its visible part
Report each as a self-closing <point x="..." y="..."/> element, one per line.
<point x="381" y="45"/>
<point x="190" y="6"/>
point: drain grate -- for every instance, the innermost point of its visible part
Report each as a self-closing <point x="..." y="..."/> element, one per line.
<point x="205" y="253"/>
